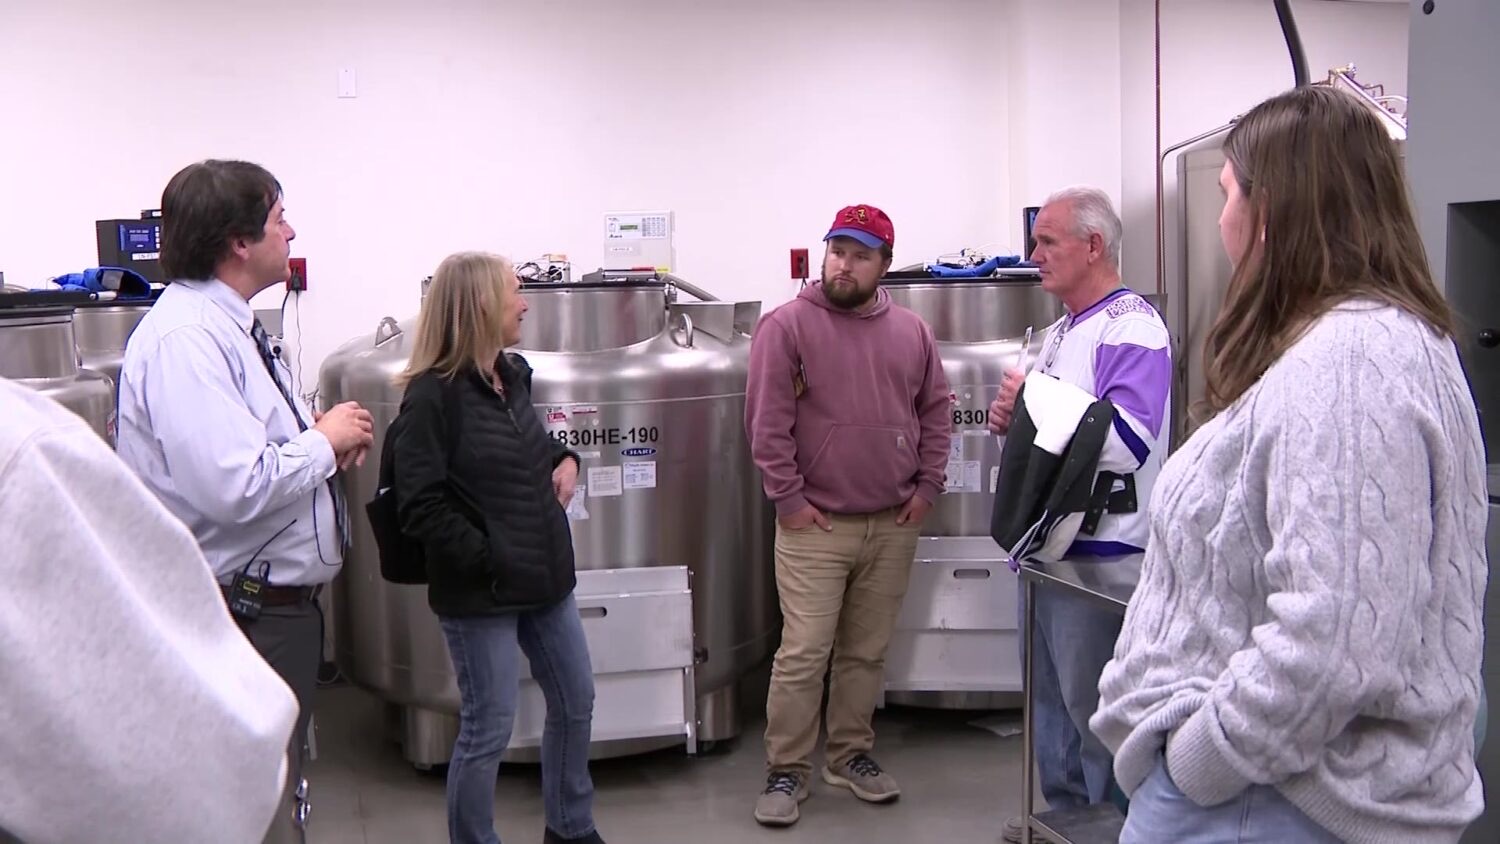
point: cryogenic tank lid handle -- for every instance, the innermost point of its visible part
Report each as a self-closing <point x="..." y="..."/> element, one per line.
<point x="387" y="329"/>
<point x="686" y="326"/>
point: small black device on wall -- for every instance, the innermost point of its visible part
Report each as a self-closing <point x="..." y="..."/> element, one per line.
<point x="1028" y="221"/>
<point x="132" y="244"/>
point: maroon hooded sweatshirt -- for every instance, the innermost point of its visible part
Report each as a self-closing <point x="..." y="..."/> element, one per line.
<point x="847" y="410"/>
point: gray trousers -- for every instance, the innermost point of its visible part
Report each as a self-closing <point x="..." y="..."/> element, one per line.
<point x="290" y="638"/>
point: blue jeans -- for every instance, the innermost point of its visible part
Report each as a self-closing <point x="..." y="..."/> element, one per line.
<point x="487" y="662"/>
<point x="1074" y="640"/>
<point x="1259" y="815"/>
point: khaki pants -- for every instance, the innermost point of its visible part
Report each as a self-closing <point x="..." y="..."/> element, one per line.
<point x="840" y="592"/>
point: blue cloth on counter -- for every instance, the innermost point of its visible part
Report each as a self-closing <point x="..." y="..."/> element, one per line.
<point x="984" y="269"/>
<point x="128" y="284"/>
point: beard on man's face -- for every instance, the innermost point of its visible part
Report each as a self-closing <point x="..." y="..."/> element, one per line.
<point x="844" y="292"/>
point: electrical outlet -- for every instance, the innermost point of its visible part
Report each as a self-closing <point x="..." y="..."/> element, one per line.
<point x="297" y="281"/>
<point x="799" y="263"/>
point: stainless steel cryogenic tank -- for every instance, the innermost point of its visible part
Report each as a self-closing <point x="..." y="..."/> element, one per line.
<point x="1198" y="289"/>
<point x="38" y="350"/>
<point x="1197" y="286"/>
<point x="651" y="392"/>
<point x="102" y="330"/>
<point x="955" y="643"/>
<point x="979" y="325"/>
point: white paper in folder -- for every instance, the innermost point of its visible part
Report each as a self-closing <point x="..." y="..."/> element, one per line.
<point x="577" y="511"/>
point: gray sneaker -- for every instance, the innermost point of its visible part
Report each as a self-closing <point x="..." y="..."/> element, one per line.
<point x="777" y="805"/>
<point x="864" y="777"/>
<point x="1012" y="834"/>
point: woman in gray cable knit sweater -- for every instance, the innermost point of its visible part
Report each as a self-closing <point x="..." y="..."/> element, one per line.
<point x="1301" y="659"/>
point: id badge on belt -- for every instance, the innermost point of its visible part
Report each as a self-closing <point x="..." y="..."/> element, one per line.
<point x="247" y="592"/>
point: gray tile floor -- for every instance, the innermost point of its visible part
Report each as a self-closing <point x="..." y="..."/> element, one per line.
<point x="959" y="782"/>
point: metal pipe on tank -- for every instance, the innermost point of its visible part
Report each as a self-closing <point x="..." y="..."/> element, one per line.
<point x="1343" y="79"/>
<point x="683" y="284"/>
<point x="1293" y="41"/>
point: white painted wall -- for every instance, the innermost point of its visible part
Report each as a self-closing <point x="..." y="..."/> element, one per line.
<point x="1220" y="58"/>
<point x="509" y="125"/>
<point x="513" y="125"/>
<point x="1065" y="100"/>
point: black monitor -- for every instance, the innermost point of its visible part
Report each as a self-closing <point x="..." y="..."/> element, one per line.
<point x="1028" y="221"/>
<point x="131" y="244"/>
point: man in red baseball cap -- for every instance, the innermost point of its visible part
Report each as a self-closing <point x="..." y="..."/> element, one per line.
<point x="856" y="272"/>
<point x="848" y="418"/>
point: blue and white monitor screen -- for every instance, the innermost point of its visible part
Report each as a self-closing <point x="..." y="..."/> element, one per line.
<point x="140" y="237"/>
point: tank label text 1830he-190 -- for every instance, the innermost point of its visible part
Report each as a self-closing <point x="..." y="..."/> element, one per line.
<point x="643" y="435"/>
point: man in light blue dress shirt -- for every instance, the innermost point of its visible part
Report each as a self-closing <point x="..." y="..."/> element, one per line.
<point x="211" y="422"/>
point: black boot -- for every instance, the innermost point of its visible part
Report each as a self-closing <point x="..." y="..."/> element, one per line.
<point x="553" y="838"/>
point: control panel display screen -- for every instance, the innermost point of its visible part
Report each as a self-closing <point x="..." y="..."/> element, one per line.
<point x="140" y="237"/>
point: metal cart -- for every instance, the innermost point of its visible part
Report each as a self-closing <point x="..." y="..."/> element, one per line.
<point x="1108" y="583"/>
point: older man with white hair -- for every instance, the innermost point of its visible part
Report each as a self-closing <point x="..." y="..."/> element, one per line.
<point x="1112" y="344"/>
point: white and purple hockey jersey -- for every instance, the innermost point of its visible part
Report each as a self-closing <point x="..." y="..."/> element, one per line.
<point x="1119" y="349"/>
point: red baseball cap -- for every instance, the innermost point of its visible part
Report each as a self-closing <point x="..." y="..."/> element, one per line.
<point x="866" y="224"/>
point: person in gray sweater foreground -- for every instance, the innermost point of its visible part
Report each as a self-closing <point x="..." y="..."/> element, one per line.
<point x="1300" y="661"/>
<point x="133" y="708"/>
